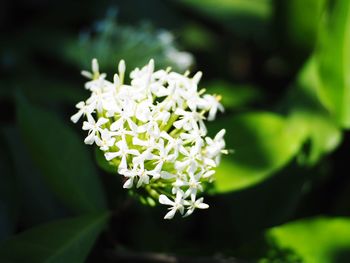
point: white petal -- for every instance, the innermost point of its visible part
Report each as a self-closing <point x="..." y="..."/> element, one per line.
<point x="210" y="162"/>
<point x="220" y="135"/>
<point x="101" y="121"/>
<point x="202" y="206"/>
<point x="133" y="152"/>
<point x="170" y="214"/>
<point x="189" y="212"/>
<point x="208" y="174"/>
<point x="95" y="68"/>
<point x="128" y="184"/>
<point x="86" y="74"/>
<point x="154" y="174"/>
<point x="76" y="116"/>
<point x="123" y="164"/>
<point x="164" y="200"/>
<point x="86" y="126"/>
<point x="196" y="78"/>
<point x="116" y="125"/>
<point x="166" y="175"/>
<point x="142" y="180"/>
<point x="90" y="139"/>
<point x="111" y="155"/>
<point x="178" y="124"/>
<point x="159" y="167"/>
<point x="116" y="80"/>
<point x="141" y="129"/>
<point x="121" y="67"/>
<point x="132" y="125"/>
<point x="98" y="141"/>
<point x="151" y="66"/>
<point x="91" y="120"/>
<point x="137" y="141"/>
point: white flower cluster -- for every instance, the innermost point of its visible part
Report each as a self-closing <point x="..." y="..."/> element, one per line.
<point x="153" y="132"/>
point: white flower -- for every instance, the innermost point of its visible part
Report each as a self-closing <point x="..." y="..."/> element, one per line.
<point x="191" y="158"/>
<point x="95" y="70"/>
<point x="123" y="153"/>
<point x="193" y="204"/>
<point x="93" y="127"/>
<point x="130" y="175"/>
<point x="190" y="120"/>
<point x="140" y="172"/>
<point x="213" y="105"/>
<point x="176" y="205"/>
<point x="106" y="140"/>
<point x="216" y="146"/>
<point x="125" y="116"/>
<point x="84" y="110"/>
<point x="163" y="155"/>
<point x="194" y="185"/>
<point x="153" y="132"/>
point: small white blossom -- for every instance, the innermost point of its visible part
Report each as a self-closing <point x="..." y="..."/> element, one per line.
<point x="153" y="132"/>
<point x="95" y="70"/>
<point x="193" y="204"/>
<point x="163" y="155"/>
<point x="94" y="128"/>
<point x="84" y="110"/>
<point x="106" y="141"/>
<point x="176" y="205"/>
<point x="123" y="153"/>
<point x="213" y="105"/>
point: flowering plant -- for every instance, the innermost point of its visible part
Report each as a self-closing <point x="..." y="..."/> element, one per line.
<point x="153" y="132"/>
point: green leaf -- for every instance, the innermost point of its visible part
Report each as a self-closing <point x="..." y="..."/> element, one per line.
<point x="322" y="132"/>
<point x="306" y="110"/>
<point x="223" y="9"/>
<point x="262" y="143"/>
<point x="245" y="17"/>
<point x="38" y="203"/>
<point x="62" y="241"/>
<point x="317" y="240"/>
<point x="62" y="158"/>
<point x="333" y="57"/>
<point x="300" y="20"/>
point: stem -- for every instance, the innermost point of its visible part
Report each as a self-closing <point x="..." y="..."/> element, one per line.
<point x="170" y="122"/>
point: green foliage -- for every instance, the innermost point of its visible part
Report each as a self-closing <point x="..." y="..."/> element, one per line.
<point x="62" y="159"/>
<point x="333" y="58"/>
<point x="245" y="17"/>
<point x="225" y="9"/>
<point x="37" y="203"/>
<point x="317" y="240"/>
<point x="265" y="143"/>
<point x="307" y="111"/>
<point x="301" y="21"/>
<point x="66" y="240"/>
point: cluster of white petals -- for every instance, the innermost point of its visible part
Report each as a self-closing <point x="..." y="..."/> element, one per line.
<point x="153" y="132"/>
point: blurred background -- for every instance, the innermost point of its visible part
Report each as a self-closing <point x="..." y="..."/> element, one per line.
<point x="283" y="70"/>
